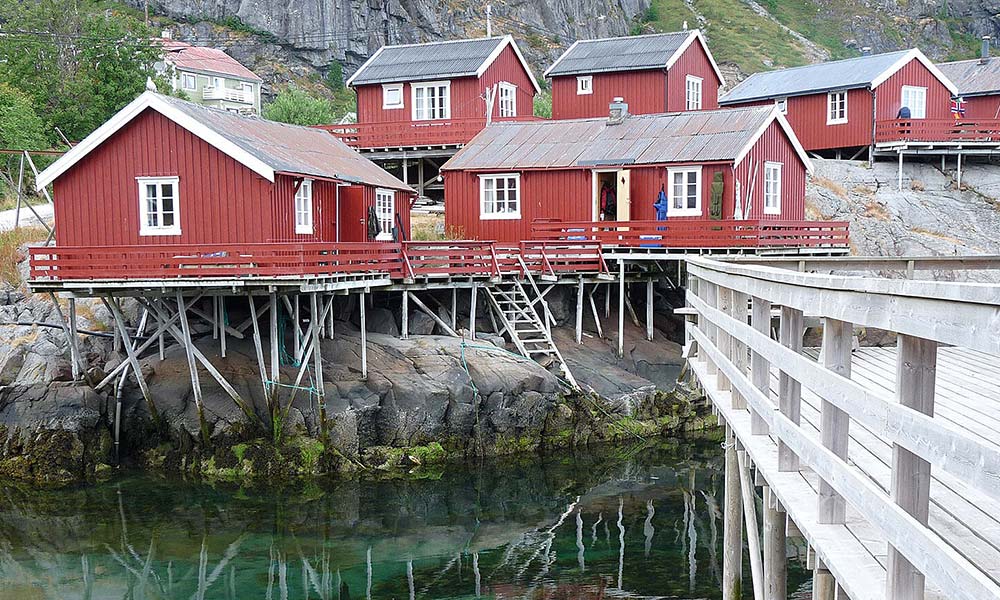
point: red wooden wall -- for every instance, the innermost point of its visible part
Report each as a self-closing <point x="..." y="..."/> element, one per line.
<point x="773" y="146"/>
<point x="983" y="107"/>
<point x="888" y="95"/>
<point x="355" y="202"/>
<point x="695" y="62"/>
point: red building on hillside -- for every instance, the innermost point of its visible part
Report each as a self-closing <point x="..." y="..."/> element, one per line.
<point x="658" y="73"/>
<point x="168" y="171"/>
<point x="978" y="83"/>
<point x="855" y="103"/>
<point x="711" y="165"/>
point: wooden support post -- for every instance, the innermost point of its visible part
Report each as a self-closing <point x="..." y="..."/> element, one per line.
<point x="789" y="390"/>
<point x="405" y="317"/>
<point x="329" y="318"/>
<point x="296" y="331"/>
<point x="916" y="373"/>
<point x="750" y="522"/>
<point x="959" y="175"/>
<point x="275" y="357"/>
<point x="649" y="310"/>
<point x="607" y="301"/>
<point x="430" y="313"/>
<point x="899" y="176"/>
<point x="364" y="339"/>
<point x="834" y="423"/>
<point x="258" y="346"/>
<point x="317" y="323"/>
<point x="824" y="585"/>
<point x="724" y="341"/>
<point x="192" y="366"/>
<point x="473" y="294"/>
<point x="74" y="342"/>
<point x="775" y="558"/>
<point x="115" y="310"/>
<point x="760" y="368"/>
<point x="732" y="533"/>
<point x="740" y="355"/>
<point x="215" y="317"/>
<point x="454" y="307"/>
<point x="621" y="308"/>
<point x="593" y="310"/>
<point x="579" y="311"/>
<point x="222" y="326"/>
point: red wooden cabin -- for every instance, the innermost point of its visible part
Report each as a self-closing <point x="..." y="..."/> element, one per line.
<point x="657" y="73"/>
<point x="742" y="164"/>
<point x="164" y="171"/>
<point x="978" y="83"/>
<point x="433" y="94"/>
<point x="852" y="103"/>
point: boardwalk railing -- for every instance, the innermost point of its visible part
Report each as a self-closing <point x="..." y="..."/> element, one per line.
<point x="395" y="134"/>
<point x="808" y="473"/>
<point x="937" y="130"/>
<point x="698" y="233"/>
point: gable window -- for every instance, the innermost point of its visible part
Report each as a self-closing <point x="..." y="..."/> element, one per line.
<point x="782" y="104"/>
<point x="836" y="108"/>
<point x="915" y="98"/>
<point x="188" y="81"/>
<point x="508" y="99"/>
<point x="158" y="206"/>
<point x="385" y="201"/>
<point x="304" y="208"/>
<point x="692" y="95"/>
<point x="500" y="196"/>
<point x="772" y="188"/>
<point x="585" y="85"/>
<point x="685" y="191"/>
<point x="392" y="95"/>
<point x="431" y="100"/>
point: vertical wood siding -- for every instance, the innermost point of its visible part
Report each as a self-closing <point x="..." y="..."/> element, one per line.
<point x="220" y="200"/>
<point x="888" y="96"/>
<point x="508" y="68"/>
<point x="355" y="203"/>
<point x="983" y="107"/>
<point x="807" y="116"/>
<point x="774" y="146"/>
<point x="324" y="211"/>
<point x="644" y="91"/>
<point x="694" y="61"/>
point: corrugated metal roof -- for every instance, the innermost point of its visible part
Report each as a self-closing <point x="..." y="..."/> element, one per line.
<point x="290" y="148"/>
<point x="201" y="58"/>
<point x="972" y="77"/>
<point x="702" y="136"/>
<point x="632" y="53"/>
<point x="422" y="62"/>
<point x="838" y="74"/>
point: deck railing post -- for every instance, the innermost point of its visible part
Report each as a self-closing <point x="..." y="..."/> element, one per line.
<point x="724" y="341"/>
<point x="709" y="294"/>
<point x="732" y="532"/>
<point x="789" y="390"/>
<point x="834" y="423"/>
<point x="739" y="354"/>
<point x="916" y="372"/>
<point x="760" y="368"/>
<point x="775" y="557"/>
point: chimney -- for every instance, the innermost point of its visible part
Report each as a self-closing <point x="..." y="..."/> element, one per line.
<point x="866" y="51"/>
<point x="617" y="111"/>
<point x="984" y="57"/>
<point x="165" y="34"/>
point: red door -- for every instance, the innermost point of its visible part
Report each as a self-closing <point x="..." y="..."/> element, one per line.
<point x="353" y="214"/>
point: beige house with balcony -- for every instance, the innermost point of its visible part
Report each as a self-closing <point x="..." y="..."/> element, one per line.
<point x="211" y="77"/>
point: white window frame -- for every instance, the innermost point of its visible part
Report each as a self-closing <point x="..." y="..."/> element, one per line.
<point x="507" y="99"/>
<point x="144" y="227"/>
<point x="584" y="85"/>
<point x="493" y="215"/>
<point x="392" y="87"/>
<point x="189" y="77"/>
<point x="782" y="104"/>
<point x="385" y="198"/>
<point x="772" y="188"/>
<point x="914" y="91"/>
<point x="832" y="99"/>
<point x="692" y="92"/>
<point x="684" y="211"/>
<point x="303" y="208"/>
<point x="426" y="85"/>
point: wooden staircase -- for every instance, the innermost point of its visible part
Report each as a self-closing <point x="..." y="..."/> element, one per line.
<point x="528" y="329"/>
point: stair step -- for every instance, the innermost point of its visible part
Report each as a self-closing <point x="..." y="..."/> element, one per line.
<point x="540" y="351"/>
<point x="535" y="341"/>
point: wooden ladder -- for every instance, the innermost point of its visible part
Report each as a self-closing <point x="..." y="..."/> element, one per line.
<point x="521" y="321"/>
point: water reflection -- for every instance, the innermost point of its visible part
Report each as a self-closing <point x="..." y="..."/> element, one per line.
<point x="509" y="529"/>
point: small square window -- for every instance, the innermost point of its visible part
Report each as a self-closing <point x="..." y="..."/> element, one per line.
<point x="304" y="208"/>
<point x="159" y="210"/>
<point x="585" y="85"/>
<point x="500" y="196"/>
<point x="188" y="81"/>
<point x="836" y="108"/>
<point x="772" y="188"/>
<point x="508" y="99"/>
<point x="692" y="98"/>
<point x="392" y="96"/>
<point x="685" y="192"/>
<point x="782" y="104"/>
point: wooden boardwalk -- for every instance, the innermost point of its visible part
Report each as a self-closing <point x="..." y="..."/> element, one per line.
<point x="886" y="460"/>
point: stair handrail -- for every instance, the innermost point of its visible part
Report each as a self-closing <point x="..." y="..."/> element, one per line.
<point x="496" y="261"/>
<point x="549" y="319"/>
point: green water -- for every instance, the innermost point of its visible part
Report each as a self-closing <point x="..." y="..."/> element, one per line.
<point x="610" y="523"/>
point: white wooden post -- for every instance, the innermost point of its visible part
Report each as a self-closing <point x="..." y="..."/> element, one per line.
<point x="916" y="373"/>
<point x="222" y="326"/>
<point x="579" y="311"/>
<point x="406" y="315"/>
<point x="649" y="310"/>
<point x="775" y="558"/>
<point x="899" y="175"/>
<point x="732" y="532"/>
<point x="364" y="339"/>
<point x="275" y="357"/>
<point x="316" y="318"/>
<point x="790" y="390"/>
<point x="959" y="178"/>
<point x="454" y="304"/>
<point x="708" y="292"/>
<point x="824" y="586"/>
<point x="472" y="311"/>
<point x="834" y="423"/>
<point x="739" y="356"/>
<point x="724" y="341"/>
<point x="621" y="308"/>
<point x="759" y="366"/>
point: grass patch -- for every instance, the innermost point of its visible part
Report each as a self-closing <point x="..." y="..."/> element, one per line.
<point x="11" y="254"/>
<point x="833" y="186"/>
<point x="820" y="25"/>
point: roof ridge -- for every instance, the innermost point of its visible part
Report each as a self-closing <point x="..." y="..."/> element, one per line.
<point x="644" y="35"/>
<point x="825" y="62"/>
<point x="435" y="43"/>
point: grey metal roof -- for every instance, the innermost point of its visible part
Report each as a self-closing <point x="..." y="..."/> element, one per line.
<point x="701" y="136"/>
<point x="290" y="148"/>
<point x="422" y="62"/>
<point x="632" y="53"/>
<point x="972" y="77"/>
<point x="821" y="77"/>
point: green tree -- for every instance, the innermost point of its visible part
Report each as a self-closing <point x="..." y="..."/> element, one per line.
<point x="543" y="104"/>
<point x="298" y="107"/>
<point x="20" y="125"/>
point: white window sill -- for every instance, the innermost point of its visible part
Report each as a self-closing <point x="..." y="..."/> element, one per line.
<point x="579" y="93"/>
<point x="393" y="107"/>
<point x="772" y="211"/>
<point x="836" y="122"/>
<point x="303" y="231"/>
<point x="501" y="217"/>
<point x="160" y="231"/>
<point x="383" y="237"/>
<point x="683" y="212"/>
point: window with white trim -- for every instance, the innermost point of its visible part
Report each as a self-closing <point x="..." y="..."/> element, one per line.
<point x="304" y="208"/>
<point x="508" y="99"/>
<point x="188" y="81"/>
<point x="392" y="96"/>
<point x="836" y="108"/>
<point x="772" y="188"/>
<point x="684" y="191"/>
<point x="692" y="95"/>
<point x="914" y="98"/>
<point x="500" y="196"/>
<point x="159" y="212"/>
<point x="431" y="100"/>
<point x="782" y="104"/>
<point x="385" y="201"/>
<point x="584" y="85"/>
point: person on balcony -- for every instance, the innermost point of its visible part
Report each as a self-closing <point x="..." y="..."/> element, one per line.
<point x="903" y="116"/>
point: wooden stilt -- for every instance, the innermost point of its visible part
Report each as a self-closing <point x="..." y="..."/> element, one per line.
<point x="69" y="330"/>
<point x="296" y="331"/>
<point x="454" y="306"/>
<point x="899" y="175"/>
<point x="258" y="345"/>
<point x="474" y="293"/>
<point x="760" y="368"/>
<point x="790" y="390"/>
<point x="621" y="308"/>
<point x="423" y="307"/>
<point x="579" y="311"/>
<point x="593" y="310"/>
<point x="834" y="423"/>
<point x="649" y="310"/>
<point x="824" y="586"/>
<point x="192" y="367"/>
<point x="405" y="317"/>
<point x="275" y="357"/>
<point x="222" y="326"/>
<point x="116" y="312"/>
<point x="631" y="309"/>
<point x="959" y="172"/>
<point x="750" y="522"/>
<point x="329" y="317"/>
<point x="316" y="325"/>
<point x="364" y="338"/>
<point x="215" y="317"/>
<point x="775" y="557"/>
<point x="607" y="301"/>
<point x="732" y="533"/>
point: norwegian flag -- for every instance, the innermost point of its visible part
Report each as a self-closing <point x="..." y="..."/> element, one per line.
<point x="957" y="108"/>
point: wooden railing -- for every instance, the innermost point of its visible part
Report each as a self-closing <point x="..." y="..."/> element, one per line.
<point x="449" y="258"/>
<point x="550" y="258"/>
<point x="395" y="134"/>
<point x="937" y="130"/>
<point x="698" y="233"/>
<point x="810" y="474"/>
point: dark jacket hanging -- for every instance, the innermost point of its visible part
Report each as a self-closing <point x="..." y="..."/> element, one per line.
<point x="373" y="226"/>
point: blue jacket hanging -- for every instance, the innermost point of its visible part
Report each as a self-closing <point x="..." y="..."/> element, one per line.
<point x="661" y="206"/>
